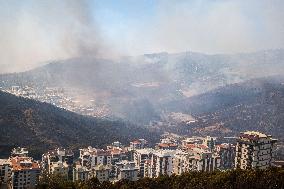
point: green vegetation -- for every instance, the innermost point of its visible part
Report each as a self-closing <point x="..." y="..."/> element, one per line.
<point x="233" y="179"/>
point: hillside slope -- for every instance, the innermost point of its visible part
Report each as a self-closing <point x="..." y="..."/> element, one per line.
<point x="40" y="126"/>
<point x="253" y="105"/>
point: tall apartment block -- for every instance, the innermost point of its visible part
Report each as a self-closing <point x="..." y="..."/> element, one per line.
<point x="226" y="151"/>
<point x="25" y="172"/>
<point x="254" y="150"/>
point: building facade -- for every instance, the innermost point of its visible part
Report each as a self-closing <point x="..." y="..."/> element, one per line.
<point x="140" y="156"/>
<point x="254" y="150"/>
<point x="91" y="157"/>
<point x="25" y="172"/>
<point x="162" y="163"/>
<point x="5" y="171"/>
<point x="126" y="170"/>
<point x="58" y="161"/>
<point x="226" y="151"/>
<point x="101" y="172"/>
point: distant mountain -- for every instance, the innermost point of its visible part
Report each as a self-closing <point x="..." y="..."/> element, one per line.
<point x="135" y="88"/>
<point x="40" y="126"/>
<point x="257" y="104"/>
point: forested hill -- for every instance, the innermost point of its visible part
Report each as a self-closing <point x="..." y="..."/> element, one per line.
<point x="41" y="126"/>
<point x="253" y="105"/>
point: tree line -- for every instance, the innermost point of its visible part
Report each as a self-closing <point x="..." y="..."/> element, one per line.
<point x="272" y="178"/>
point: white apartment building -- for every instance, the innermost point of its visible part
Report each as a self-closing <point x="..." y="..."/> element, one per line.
<point x="181" y="162"/>
<point x="25" y="172"/>
<point x="200" y="158"/>
<point x="126" y="170"/>
<point x="59" y="168"/>
<point x="167" y="144"/>
<point x="254" y="150"/>
<point x="80" y="173"/>
<point x="162" y="163"/>
<point x="91" y="157"/>
<point x="203" y="159"/>
<point x="138" y="144"/>
<point x="147" y="168"/>
<point x="58" y="161"/>
<point x="117" y="154"/>
<point x="102" y="172"/>
<point x="140" y="156"/>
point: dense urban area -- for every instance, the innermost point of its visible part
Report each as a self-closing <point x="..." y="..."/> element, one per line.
<point x="119" y="163"/>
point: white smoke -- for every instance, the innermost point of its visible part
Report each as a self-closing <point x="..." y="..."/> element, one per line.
<point x="35" y="31"/>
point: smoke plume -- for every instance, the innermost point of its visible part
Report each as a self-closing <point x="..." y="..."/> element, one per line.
<point x="35" y="31"/>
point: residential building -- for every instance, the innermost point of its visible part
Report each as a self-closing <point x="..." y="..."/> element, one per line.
<point x="102" y="172"/>
<point x="25" y="172"/>
<point x="126" y="170"/>
<point x="118" y="154"/>
<point x="210" y="142"/>
<point x="254" y="150"/>
<point x="59" y="168"/>
<point x="138" y="144"/>
<point x="58" y="161"/>
<point x="91" y="157"/>
<point x="140" y="156"/>
<point x="226" y="151"/>
<point x="5" y="171"/>
<point x="192" y="140"/>
<point x="202" y="159"/>
<point x="80" y="172"/>
<point x="181" y="162"/>
<point x="162" y="163"/>
<point x="146" y="169"/>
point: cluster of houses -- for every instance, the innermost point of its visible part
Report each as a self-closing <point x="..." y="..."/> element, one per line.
<point x="60" y="97"/>
<point x="171" y="156"/>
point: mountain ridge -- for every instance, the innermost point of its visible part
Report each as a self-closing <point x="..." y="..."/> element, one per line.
<point x="148" y="81"/>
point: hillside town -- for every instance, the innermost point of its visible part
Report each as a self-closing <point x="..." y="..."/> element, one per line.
<point x="61" y="97"/>
<point x="251" y="150"/>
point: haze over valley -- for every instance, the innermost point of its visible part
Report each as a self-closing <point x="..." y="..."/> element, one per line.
<point x="145" y="90"/>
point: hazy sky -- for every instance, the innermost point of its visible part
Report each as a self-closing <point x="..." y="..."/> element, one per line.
<point x="36" y="31"/>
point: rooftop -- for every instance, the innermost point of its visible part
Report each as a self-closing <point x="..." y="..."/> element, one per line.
<point x="4" y="161"/>
<point x="145" y="150"/>
<point x="167" y="145"/>
<point x="23" y="163"/>
<point x="255" y="134"/>
<point x="165" y="153"/>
